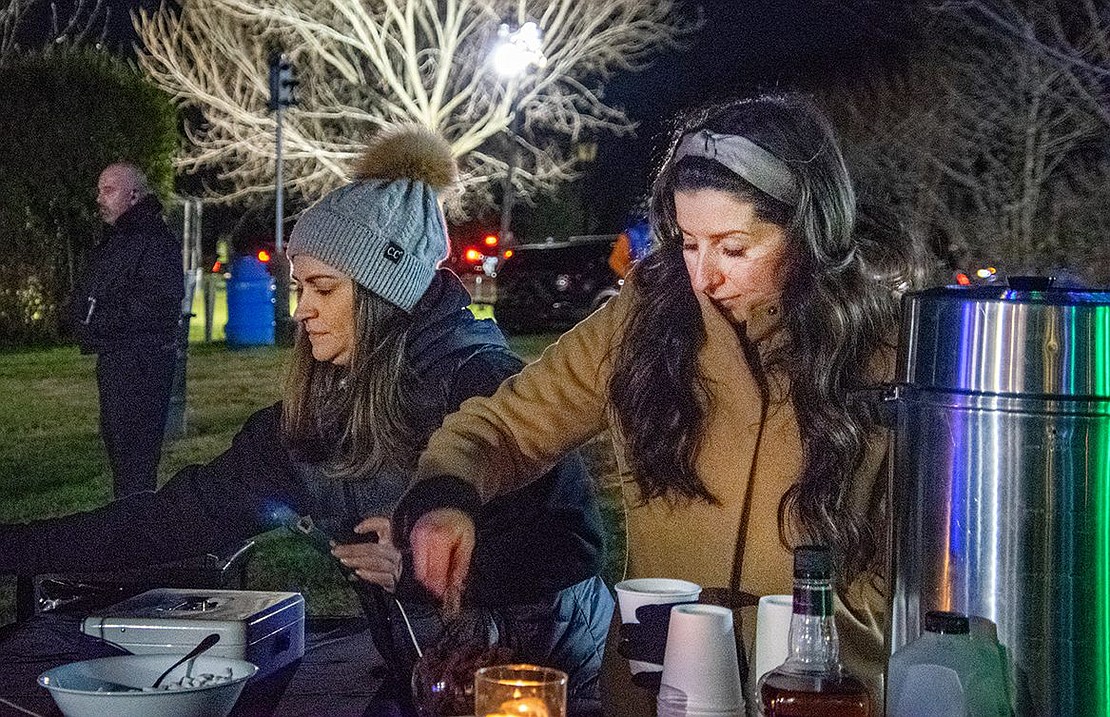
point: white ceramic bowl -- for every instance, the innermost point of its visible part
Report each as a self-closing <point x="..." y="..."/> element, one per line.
<point x="74" y="686"/>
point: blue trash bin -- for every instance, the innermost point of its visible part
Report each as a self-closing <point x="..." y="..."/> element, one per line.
<point x="250" y="304"/>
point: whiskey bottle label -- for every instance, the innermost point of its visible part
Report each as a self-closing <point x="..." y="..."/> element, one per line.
<point x="813" y="602"/>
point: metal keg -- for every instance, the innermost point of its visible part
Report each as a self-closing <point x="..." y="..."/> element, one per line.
<point x="1000" y="492"/>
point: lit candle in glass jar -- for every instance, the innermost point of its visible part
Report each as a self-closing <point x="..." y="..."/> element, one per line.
<point x="520" y="691"/>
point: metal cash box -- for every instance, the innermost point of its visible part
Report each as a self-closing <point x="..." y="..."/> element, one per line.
<point x="265" y="628"/>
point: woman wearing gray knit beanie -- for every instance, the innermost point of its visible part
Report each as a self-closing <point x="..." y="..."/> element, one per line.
<point x="386" y="348"/>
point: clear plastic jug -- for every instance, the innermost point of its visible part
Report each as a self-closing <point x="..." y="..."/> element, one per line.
<point x="949" y="672"/>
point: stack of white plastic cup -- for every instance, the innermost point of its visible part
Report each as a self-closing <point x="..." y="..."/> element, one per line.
<point x="772" y="633"/>
<point x="701" y="677"/>
<point x="635" y="593"/>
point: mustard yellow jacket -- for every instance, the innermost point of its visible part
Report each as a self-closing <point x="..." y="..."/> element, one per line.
<point x="561" y="401"/>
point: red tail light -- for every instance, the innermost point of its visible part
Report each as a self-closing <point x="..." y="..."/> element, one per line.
<point x="263" y="256"/>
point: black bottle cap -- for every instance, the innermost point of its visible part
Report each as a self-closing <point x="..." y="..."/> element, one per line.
<point x="1031" y="283"/>
<point x="947" y="623"/>
<point x="812" y="562"/>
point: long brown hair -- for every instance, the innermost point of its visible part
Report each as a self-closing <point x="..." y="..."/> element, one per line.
<point x="839" y="310"/>
<point x="355" y="419"/>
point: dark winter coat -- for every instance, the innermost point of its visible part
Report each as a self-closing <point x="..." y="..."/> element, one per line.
<point x="538" y="540"/>
<point x="130" y="294"/>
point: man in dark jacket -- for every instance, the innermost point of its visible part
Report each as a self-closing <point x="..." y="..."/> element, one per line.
<point x="126" y="309"/>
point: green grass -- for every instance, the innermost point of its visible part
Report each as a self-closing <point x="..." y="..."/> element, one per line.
<point x="52" y="461"/>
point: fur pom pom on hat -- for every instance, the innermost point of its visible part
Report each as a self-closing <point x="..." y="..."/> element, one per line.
<point x="385" y="229"/>
<point x="409" y="151"/>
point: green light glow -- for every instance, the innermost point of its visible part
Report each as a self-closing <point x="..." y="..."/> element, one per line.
<point x="1100" y="478"/>
<point x="1100" y="355"/>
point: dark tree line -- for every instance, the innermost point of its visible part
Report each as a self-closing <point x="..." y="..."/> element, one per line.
<point x="991" y="139"/>
<point x="68" y="113"/>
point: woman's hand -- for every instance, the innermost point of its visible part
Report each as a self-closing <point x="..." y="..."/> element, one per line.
<point x="375" y="562"/>
<point x="442" y="544"/>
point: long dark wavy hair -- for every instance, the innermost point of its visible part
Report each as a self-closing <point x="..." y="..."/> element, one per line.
<point x="355" y="419"/>
<point x="839" y="311"/>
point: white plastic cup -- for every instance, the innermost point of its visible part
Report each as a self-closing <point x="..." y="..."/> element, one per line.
<point x="637" y="592"/>
<point x="700" y="671"/>
<point x="772" y="633"/>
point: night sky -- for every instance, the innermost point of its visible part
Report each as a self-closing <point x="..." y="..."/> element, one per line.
<point x="745" y="46"/>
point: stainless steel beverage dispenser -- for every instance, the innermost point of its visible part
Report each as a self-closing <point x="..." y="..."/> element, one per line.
<point x="1000" y="491"/>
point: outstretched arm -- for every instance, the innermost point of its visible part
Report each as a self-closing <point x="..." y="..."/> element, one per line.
<point x="201" y="509"/>
<point x="500" y="443"/>
<point x="494" y="445"/>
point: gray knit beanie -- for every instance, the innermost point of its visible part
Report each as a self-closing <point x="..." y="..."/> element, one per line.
<point x="386" y="228"/>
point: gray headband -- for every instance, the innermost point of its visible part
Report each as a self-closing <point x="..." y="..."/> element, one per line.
<point x="746" y="159"/>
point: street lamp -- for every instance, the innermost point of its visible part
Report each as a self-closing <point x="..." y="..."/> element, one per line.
<point x="516" y="52"/>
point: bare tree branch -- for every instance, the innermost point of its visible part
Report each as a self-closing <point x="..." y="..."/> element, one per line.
<point x="12" y="13"/>
<point x="1005" y="124"/>
<point x="366" y="63"/>
<point x="83" y="19"/>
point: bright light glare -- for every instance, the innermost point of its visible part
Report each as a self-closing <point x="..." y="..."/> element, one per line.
<point x="985" y="273"/>
<point x="509" y="60"/>
<point x="518" y="50"/>
<point x="473" y="255"/>
<point x="490" y="240"/>
<point x="263" y="256"/>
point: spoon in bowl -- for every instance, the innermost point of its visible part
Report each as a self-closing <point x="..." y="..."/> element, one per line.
<point x="202" y="646"/>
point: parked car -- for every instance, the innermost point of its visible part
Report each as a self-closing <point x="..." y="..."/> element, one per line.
<point x="475" y="248"/>
<point x="551" y="286"/>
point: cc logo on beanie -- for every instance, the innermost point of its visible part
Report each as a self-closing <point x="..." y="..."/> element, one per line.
<point x="393" y="252"/>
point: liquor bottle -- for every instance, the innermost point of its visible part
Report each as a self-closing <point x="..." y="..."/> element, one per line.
<point x="812" y="682"/>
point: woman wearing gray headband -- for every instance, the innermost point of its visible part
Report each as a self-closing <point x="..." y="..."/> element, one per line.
<point x="722" y="371"/>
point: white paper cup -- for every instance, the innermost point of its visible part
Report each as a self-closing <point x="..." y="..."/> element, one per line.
<point x="635" y="593"/>
<point x="772" y="633"/>
<point x="700" y="671"/>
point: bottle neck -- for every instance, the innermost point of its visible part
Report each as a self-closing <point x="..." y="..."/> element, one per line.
<point x="814" y="646"/>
